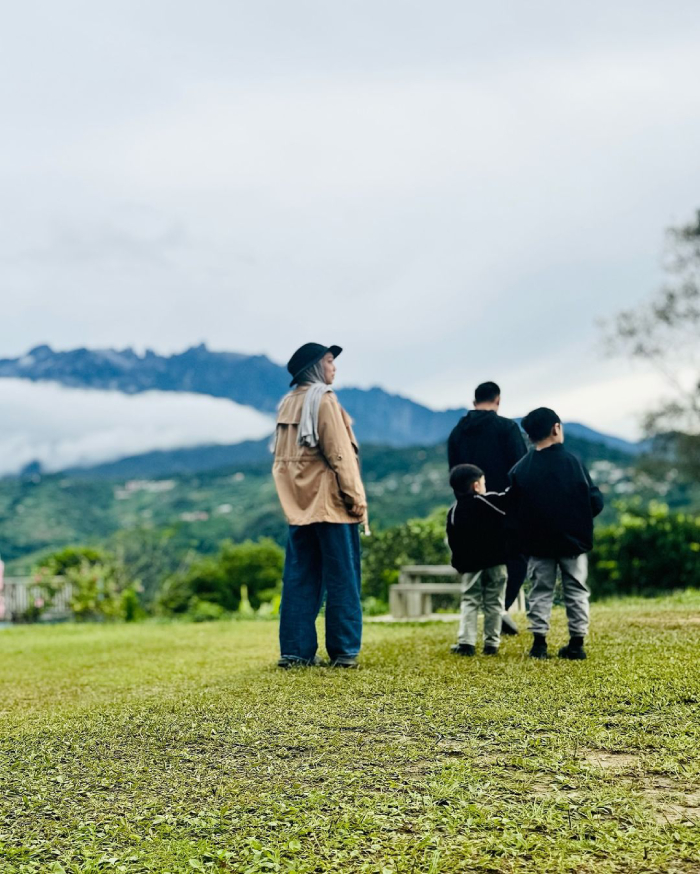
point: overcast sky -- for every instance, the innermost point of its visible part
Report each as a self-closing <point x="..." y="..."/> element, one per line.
<point x="453" y="191"/>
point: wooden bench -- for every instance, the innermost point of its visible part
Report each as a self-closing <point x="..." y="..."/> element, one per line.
<point x="411" y="598"/>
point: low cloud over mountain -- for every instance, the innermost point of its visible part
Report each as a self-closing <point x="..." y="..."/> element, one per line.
<point x="83" y="407"/>
<point x="64" y="427"/>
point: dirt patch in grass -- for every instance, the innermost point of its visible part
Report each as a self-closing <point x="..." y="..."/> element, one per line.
<point x="673" y="802"/>
<point x="685" y="809"/>
<point x="418" y="769"/>
<point x="611" y="761"/>
<point x="669" y="622"/>
<point x="539" y="787"/>
<point x="679" y="813"/>
<point x="450" y="746"/>
<point x="491" y="759"/>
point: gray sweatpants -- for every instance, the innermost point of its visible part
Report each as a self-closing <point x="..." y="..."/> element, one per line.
<point x="487" y="588"/>
<point x="543" y="577"/>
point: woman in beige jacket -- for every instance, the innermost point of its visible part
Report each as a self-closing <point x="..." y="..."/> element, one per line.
<point x="317" y="475"/>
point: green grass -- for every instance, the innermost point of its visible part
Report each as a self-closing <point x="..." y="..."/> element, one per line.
<point x="168" y="747"/>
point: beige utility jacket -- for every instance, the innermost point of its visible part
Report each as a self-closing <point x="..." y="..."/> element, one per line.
<point x="322" y="484"/>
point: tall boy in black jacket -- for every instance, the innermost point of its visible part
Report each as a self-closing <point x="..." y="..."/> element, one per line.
<point x="477" y="538"/>
<point x="554" y="502"/>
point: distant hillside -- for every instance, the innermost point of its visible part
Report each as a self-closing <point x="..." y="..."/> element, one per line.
<point x="170" y="462"/>
<point x="201" y="508"/>
<point x="378" y="415"/>
<point x="253" y="380"/>
<point x="583" y="432"/>
<point x="588" y="444"/>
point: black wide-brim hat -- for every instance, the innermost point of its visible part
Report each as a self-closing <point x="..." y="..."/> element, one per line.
<point x="308" y="355"/>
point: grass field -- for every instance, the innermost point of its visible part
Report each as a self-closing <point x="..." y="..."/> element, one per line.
<point x="182" y="748"/>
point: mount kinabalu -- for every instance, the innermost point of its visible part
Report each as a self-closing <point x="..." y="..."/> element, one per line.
<point x="253" y="380"/>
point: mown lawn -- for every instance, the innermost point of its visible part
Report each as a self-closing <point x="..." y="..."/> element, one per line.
<point x="182" y="748"/>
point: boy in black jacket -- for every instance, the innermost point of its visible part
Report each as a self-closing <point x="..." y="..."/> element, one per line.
<point x="477" y="538"/>
<point x="554" y="502"/>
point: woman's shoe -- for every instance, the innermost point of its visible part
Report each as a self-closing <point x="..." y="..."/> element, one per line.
<point x="344" y="662"/>
<point x="285" y="663"/>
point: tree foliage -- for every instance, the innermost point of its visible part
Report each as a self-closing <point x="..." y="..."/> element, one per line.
<point x="101" y="591"/>
<point x="101" y="586"/>
<point x="647" y="551"/>
<point x="63" y="560"/>
<point x="665" y="331"/>
<point x="148" y="555"/>
<point x="254" y="567"/>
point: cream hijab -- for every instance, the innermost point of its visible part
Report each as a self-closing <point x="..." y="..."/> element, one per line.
<point x="314" y="378"/>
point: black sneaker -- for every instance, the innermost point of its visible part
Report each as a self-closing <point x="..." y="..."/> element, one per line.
<point x="573" y="650"/>
<point x="539" y="647"/>
<point x="508" y="626"/>
<point x="491" y="650"/>
<point x="463" y="649"/>
<point x="344" y="662"/>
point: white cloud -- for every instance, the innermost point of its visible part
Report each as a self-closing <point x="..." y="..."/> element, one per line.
<point x="62" y="427"/>
<point x="437" y="187"/>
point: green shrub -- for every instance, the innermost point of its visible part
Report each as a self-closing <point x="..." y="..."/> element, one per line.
<point x="149" y="555"/>
<point x="204" y="611"/>
<point x="252" y="568"/>
<point x="648" y="550"/>
<point x="255" y="564"/>
<point x="57" y="563"/>
<point x="131" y="608"/>
<point x="100" y="585"/>
<point x="174" y="595"/>
<point x="418" y="541"/>
<point x="372" y="606"/>
<point x="99" y="591"/>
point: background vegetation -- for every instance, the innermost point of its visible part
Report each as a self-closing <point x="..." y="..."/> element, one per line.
<point x="209" y="544"/>
<point x="162" y="519"/>
<point x="646" y="550"/>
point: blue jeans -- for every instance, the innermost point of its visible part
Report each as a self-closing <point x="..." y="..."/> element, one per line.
<point x="323" y="559"/>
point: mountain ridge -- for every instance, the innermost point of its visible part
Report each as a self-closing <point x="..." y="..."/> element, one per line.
<point x="253" y="380"/>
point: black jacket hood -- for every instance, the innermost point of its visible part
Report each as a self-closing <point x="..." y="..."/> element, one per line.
<point x="489" y="441"/>
<point x="475" y="420"/>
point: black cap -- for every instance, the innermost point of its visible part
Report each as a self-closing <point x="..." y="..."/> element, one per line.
<point x="308" y="355"/>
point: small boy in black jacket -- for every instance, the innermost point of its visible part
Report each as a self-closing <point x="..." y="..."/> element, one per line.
<point x="554" y="501"/>
<point x="477" y="538"/>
